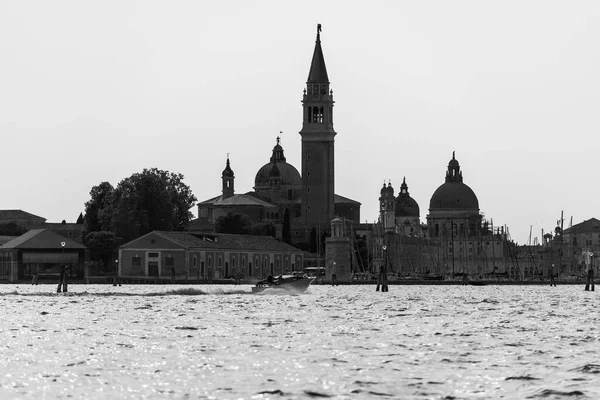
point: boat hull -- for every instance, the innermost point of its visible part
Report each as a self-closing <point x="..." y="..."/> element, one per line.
<point x="294" y="286"/>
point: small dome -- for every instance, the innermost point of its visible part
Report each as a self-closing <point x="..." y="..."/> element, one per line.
<point x="406" y="206"/>
<point x="227" y="172"/>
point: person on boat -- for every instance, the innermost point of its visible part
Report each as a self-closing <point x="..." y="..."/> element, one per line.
<point x="590" y="279"/>
<point x="270" y="279"/>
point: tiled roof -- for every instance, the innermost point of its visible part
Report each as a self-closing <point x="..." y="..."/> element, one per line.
<point x="222" y="241"/>
<point x="17" y="215"/>
<point x="41" y="239"/>
<point x="238" y="200"/>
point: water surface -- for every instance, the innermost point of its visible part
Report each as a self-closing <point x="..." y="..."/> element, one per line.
<point x="343" y="342"/>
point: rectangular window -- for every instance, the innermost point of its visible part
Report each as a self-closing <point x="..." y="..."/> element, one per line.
<point x="136" y="261"/>
<point x="152" y="255"/>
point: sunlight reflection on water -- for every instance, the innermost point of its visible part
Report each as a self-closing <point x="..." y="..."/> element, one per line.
<point x="421" y="342"/>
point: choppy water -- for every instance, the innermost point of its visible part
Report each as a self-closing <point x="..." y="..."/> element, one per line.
<point x="414" y="342"/>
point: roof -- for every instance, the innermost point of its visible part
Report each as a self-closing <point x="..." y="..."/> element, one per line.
<point x="318" y="72"/>
<point x="590" y="225"/>
<point x="341" y="199"/>
<point x="237" y="200"/>
<point x="221" y="241"/>
<point x="454" y="196"/>
<point x="6" y="239"/>
<point x="17" y="215"/>
<point x="41" y="239"/>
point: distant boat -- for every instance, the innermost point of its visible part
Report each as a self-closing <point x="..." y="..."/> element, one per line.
<point x="433" y="277"/>
<point x="478" y="283"/>
<point x="294" y="283"/>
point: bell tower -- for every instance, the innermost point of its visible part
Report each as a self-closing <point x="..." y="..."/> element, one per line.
<point x="227" y="177"/>
<point x="318" y="178"/>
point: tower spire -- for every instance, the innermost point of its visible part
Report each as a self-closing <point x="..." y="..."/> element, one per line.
<point x="318" y="71"/>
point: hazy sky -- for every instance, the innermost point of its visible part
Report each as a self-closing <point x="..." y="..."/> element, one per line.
<point x="96" y="91"/>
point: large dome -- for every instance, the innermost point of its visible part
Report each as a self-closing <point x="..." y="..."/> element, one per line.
<point x="286" y="174"/>
<point x="454" y="194"/>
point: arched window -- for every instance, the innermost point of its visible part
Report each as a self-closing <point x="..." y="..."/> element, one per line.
<point x="194" y="262"/>
<point x="220" y="261"/>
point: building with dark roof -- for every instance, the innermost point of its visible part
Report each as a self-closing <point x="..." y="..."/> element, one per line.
<point x="44" y="251"/>
<point x="309" y="197"/>
<point x="32" y="221"/>
<point x="206" y="256"/>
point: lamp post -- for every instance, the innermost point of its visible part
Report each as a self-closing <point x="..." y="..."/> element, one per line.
<point x="63" y="244"/>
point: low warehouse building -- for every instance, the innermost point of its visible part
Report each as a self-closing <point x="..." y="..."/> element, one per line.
<point x="205" y="256"/>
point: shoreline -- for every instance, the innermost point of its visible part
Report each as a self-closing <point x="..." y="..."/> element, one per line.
<point x="229" y="282"/>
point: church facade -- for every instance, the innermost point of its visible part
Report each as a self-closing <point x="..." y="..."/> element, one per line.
<point x="308" y="199"/>
<point x="456" y="240"/>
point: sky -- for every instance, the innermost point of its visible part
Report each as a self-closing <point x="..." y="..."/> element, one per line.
<point x="97" y="91"/>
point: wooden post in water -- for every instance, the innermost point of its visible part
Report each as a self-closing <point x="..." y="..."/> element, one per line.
<point x="590" y="275"/>
<point x="382" y="279"/>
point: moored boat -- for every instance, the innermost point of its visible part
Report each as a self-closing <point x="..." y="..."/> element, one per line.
<point x="295" y="283"/>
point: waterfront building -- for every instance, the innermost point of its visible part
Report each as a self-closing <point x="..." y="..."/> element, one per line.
<point x="206" y="256"/>
<point x="44" y="251"/>
<point x="31" y="221"/>
<point x="580" y="247"/>
<point x="308" y="200"/>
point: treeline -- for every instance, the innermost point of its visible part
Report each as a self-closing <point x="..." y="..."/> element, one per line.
<point x="151" y="200"/>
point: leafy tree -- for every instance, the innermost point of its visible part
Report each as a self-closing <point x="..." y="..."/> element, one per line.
<point x="102" y="245"/>
<point x="12" y="229"/>
<point x="151" y="200"/>
<point x="238" y="224"/>
<point x="262" y="229"/>
<point x="286" y="233"/>
<point x="80" y="219"/>
<point x="241" y="224"/>
<point x="98" y="210"/>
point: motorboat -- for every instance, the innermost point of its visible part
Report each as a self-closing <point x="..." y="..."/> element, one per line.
<point x="294" y="283"/>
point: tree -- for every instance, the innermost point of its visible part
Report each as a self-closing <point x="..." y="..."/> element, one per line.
<point x="80" y="219"/>
<point x="238" y="224"/>
<point x="241" y="224"/>
<point x="12" y="229"/>
<point x="151" y="200"/>
<point x="286" y="230"/>
<point x="98" y="210"/>
<point x="102" y="245"/>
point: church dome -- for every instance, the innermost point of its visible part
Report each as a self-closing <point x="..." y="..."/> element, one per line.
<point x="406" y="206"/>
<point x="454" y="194"/>
<point x="277" y="167"/>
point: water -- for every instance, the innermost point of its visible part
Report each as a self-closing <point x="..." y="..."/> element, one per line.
<point x="343" y="342"/>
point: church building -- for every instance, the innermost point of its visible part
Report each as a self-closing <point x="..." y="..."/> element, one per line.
<point x="308" y="200"/>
